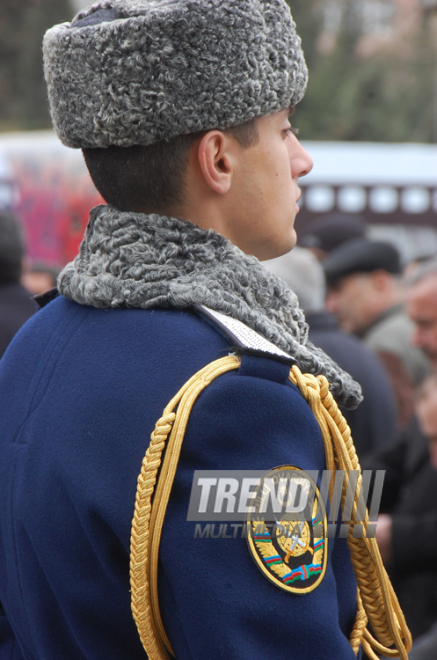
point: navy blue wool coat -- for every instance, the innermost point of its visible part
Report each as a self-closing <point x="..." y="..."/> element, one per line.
<point x="80" y="392"/>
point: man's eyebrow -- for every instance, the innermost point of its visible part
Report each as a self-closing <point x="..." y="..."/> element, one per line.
<point x="291" y="110"/>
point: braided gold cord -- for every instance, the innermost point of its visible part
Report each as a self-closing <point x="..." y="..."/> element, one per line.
<point x="375" y="592"/>
<point x="376" y="601"/>
<point x="140" y="531"/>
<point x="147" y="521"/>
<point x="168" y="472"/>
<point x="379" y="600"/>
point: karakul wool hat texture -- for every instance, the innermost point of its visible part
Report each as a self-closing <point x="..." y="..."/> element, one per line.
<point x="134" y="72"/>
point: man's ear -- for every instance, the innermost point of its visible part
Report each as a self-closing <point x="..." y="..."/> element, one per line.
<point x="381" y="279"/>
<point x="215" y="161"/>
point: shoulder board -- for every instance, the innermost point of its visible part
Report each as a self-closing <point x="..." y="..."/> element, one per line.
<point x="244" y="339"/>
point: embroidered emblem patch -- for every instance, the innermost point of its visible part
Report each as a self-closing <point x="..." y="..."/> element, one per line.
<point x="287" y="530"/>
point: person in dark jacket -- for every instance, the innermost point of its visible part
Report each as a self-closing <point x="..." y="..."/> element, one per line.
<point x="16" y="305"/>
<point x="366" y="294"/>
<point x="170" y="350"/>
<point x="374" y="422"/>
<point x="407" y="527"/>
<point x="425" y="648"/>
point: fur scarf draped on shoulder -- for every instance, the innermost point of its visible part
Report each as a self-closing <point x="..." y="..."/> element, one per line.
<point x="145" y="261"/>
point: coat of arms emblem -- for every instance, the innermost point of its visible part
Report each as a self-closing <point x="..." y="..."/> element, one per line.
<point x="287" y="530"/>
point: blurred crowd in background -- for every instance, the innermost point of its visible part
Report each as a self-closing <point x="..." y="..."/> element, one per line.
<point x="364" y="275"/>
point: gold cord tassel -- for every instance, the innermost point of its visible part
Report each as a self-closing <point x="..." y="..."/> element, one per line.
<point x="376" y="601"/>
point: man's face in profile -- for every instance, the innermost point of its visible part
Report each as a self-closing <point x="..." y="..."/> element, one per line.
<point x="421" y="307"/>
<point x="262" y="200"/>
<point x="351" y="301"/>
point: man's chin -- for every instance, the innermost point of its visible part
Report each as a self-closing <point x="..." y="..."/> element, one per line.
<point x="278" y="249"/>
<point x="346" y="326"/>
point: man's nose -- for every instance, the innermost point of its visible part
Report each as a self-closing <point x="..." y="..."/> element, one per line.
<point x="302" y="163"/>
<point x="307" y="162"/>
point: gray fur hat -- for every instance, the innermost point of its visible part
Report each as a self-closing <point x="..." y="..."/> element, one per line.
<point x="134" y="72"/>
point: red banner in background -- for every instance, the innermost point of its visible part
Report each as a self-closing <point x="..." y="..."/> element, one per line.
<point x="51" y="192"/>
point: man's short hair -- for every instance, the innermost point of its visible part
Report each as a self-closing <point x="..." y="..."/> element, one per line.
<point x="11" y="248"/>
<point x="151" y="179"/>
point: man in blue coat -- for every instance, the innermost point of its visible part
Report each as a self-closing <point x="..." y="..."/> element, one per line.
<point x="181" y="108"/>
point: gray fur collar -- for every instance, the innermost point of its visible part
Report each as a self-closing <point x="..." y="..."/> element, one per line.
<point x="136" y="260"/>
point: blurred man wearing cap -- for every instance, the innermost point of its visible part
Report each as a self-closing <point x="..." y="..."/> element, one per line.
<point x="365" y="293"/>
<point x="181" y="108"/>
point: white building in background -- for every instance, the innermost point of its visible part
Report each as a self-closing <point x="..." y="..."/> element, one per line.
<point x="393" y="187"/>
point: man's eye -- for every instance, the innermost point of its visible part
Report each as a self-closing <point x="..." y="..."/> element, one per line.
<point x="293" y="130"/>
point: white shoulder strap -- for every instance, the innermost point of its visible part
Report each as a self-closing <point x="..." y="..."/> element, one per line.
<point x="241" y="335"/>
